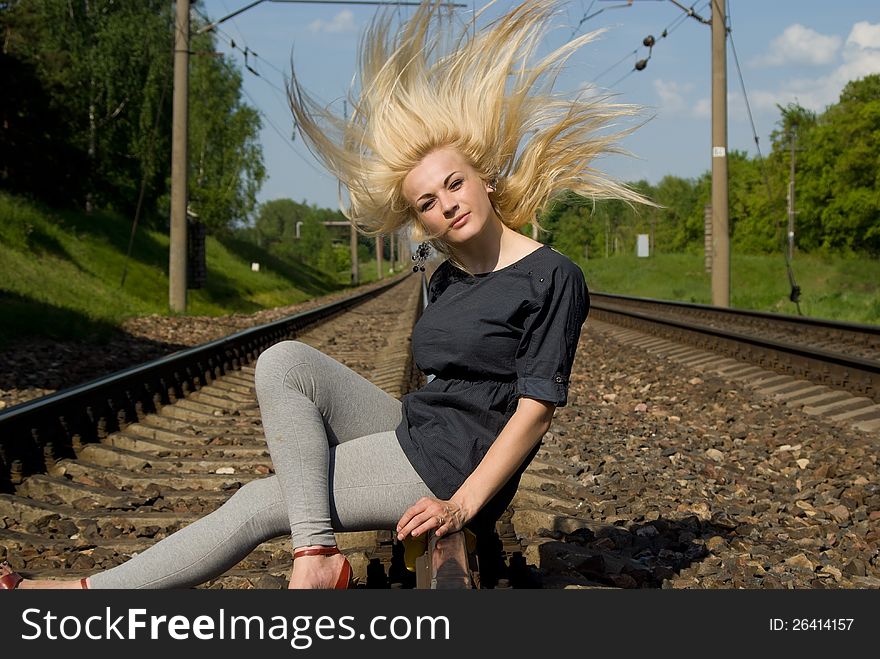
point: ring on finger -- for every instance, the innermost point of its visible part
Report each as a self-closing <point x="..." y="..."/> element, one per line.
<point x="439" y="520"/>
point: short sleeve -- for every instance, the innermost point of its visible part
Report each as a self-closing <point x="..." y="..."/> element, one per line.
<point x="546" y="351"/>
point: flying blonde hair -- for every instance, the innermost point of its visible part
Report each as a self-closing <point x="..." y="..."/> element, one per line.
<point x="484" y="97"/>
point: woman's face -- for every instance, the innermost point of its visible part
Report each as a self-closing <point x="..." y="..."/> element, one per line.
<point x="449" y="196"/>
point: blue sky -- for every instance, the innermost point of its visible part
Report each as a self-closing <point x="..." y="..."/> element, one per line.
<point x="789" y="50"/>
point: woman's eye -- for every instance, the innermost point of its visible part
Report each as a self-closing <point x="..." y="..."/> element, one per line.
<point x="427" y="206"/>
<point x="456" y="184"/>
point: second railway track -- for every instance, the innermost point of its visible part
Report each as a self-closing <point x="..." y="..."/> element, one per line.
<point x="845" y="356"/>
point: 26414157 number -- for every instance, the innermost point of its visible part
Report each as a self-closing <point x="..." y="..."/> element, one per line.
<point x="811" y="624"/>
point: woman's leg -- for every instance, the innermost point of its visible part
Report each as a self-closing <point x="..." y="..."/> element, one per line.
<point x="373" y="482"/>
<point x="309" y="403"/>
<point x="207" y="547"/>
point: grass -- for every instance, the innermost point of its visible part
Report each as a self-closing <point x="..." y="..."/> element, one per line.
<point x="832" y="287"/>
<point x="61" y="274"/>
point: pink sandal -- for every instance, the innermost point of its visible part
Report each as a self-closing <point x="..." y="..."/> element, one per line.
<point x="345" y="576"/>
<point x="11" y="580"/>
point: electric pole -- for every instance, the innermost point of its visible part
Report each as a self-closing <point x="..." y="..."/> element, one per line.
<point x="720" y="227"/>
<point x="380" y="247"/>
<point x="177" y="248"/>
<point x="179" y="158"/>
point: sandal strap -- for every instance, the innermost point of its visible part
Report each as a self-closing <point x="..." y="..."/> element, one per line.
<point x="317" y="551"/>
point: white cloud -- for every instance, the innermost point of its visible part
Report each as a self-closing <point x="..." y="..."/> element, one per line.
<point x="861" y="57"/>
<point x="736" y="108"/>
<point x="672" y="94"/>
<point x="864" y="36"/>
<point x="703" y="108"/>
<point x="342" y="22"/>
<point x="800" y="45"/>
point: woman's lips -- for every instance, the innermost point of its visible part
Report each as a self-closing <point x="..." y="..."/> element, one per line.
<point x="460" y="221"/>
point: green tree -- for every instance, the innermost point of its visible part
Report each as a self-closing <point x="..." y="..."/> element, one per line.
<point x="103" y="66"/>
<point x="679" y="200"/>
<point x="276" y="221"/>
<point x="226" y="159"/>
<point x="87" y="93"/>
<point x="841" y="165"/>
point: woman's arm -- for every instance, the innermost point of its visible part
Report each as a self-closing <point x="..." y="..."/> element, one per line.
<point x="526" y="427"/>
<point x="518" y="437"/>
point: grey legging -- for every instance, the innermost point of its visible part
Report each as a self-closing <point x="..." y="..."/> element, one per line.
<point x="338" y="467"/>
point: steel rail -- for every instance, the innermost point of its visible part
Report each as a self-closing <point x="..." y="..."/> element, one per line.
<point x="852" y="373"/>
<point x="856" y="328"/>
<point x="42" y="431"/>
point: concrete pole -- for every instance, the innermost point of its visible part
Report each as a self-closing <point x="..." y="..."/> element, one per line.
<point x="379" y="247"/>
<point x="355" y="276"/>
<point x="720" y="227"/>
<point x="177" y="250"/>
<point x="392" y="242"/>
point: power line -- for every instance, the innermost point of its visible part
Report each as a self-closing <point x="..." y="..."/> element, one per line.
<point x="623" y="77"/>
<point x="689" y="12"/>
<point x="587" y="15"/>
<point x="288" y="141"/>
<point x="649" y="41"/>
<point x="616" y="64"/>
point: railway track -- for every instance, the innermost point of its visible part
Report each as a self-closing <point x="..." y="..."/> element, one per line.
<point x="78" y="498"/>
<point x="838" y="363"/>
<point x="93" y="503"/>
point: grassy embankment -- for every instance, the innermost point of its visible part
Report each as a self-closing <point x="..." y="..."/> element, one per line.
<point x="60" y="274"/>
<point x="60" y="277"/>
<point x="832" y="287"/>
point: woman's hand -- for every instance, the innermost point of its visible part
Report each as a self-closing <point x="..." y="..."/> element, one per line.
<point x="428" y="513"/>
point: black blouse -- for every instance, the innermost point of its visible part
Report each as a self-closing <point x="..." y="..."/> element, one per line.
<point x="489" y="339"/>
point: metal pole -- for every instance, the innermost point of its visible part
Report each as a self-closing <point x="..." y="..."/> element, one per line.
<point x="177" y="249"/>
<point x="720" y="228"/>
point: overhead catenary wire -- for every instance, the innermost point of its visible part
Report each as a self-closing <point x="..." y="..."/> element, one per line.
<point x="649" y="41"/>
<point x="288" y="140"/>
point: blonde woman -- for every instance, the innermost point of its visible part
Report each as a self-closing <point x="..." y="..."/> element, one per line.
<point x="464" y="147"/>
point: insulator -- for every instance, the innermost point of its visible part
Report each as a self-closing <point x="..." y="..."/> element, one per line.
<point x="648" y="41"/>
<point x="641" y="64"/>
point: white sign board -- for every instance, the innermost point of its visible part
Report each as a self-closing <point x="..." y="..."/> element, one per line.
<point x="255" y="267"/>
<point x="642" y="245"/>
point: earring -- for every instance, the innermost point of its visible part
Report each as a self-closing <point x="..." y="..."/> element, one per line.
<point x="493" y="183"/>
<point x="422" y="252"/>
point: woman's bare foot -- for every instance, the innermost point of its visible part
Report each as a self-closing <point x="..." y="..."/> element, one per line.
<point x="316" y="572"/>
<point x="29" y="584"/>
